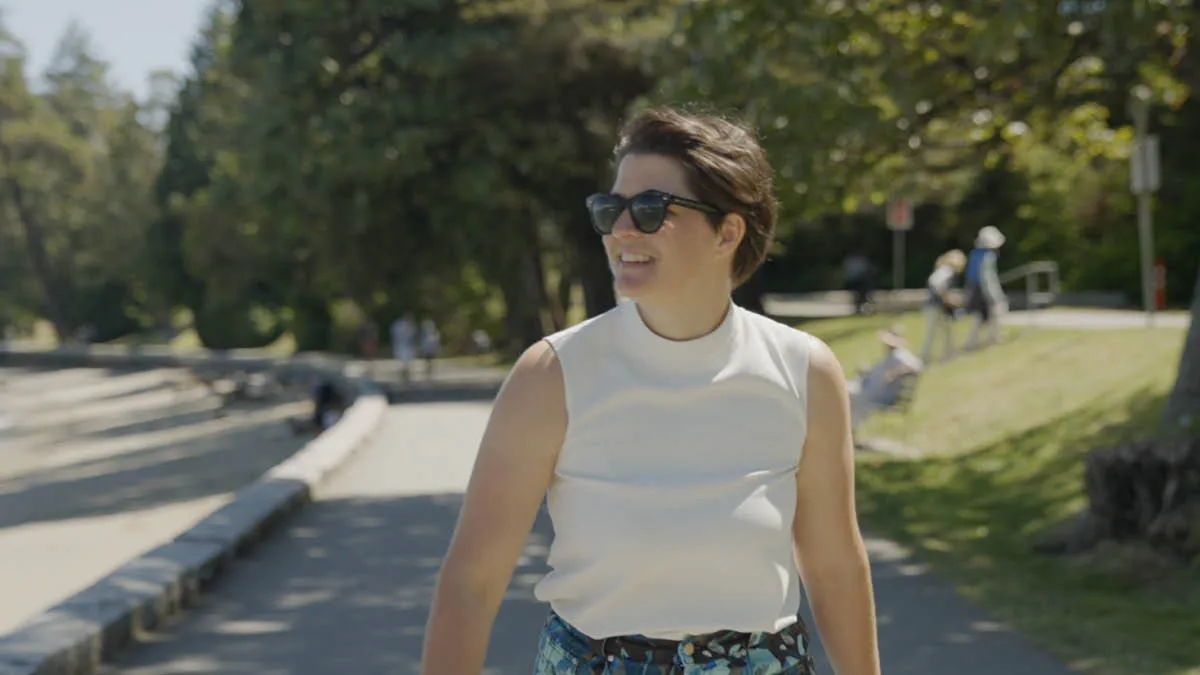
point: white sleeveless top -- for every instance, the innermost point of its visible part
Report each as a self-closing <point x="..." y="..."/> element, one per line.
<point x="675" y="488"/>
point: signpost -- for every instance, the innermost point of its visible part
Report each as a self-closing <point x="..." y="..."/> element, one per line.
<point x="1144" y="180"/>
<point x="899" y="221"/>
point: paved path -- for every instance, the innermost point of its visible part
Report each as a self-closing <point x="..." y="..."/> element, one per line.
<point x="834" y="304"/>
<point x="1095" y="319"/>
<point x="346" y="588"/>
<point x="98" y="465"/>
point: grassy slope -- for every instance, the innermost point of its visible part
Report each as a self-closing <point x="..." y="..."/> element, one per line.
<point x="1006" y="430"/>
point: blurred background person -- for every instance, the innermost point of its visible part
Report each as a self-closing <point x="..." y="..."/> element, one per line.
<point x="985" y="300"/>
<point x="940" y="309"/>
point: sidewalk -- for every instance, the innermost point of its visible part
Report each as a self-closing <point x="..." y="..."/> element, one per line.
<point x="1095" y="319"/>
<point x="346" y="588"/>
<point x="834" y="304"/>
<point x="98" y="466"/>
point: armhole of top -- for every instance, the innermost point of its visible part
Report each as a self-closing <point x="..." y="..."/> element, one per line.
<point x="810" y="345"/>
<point x="798" y="356"/>
<point x="562" y="370"/>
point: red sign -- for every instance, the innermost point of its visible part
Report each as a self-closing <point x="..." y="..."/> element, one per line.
<point x="899" y="215"/>
<point x="1160" y="285"/>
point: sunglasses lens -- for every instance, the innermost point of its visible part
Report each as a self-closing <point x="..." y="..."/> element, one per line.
<point x="648" y="212"/>
<point x="604" y="211"/>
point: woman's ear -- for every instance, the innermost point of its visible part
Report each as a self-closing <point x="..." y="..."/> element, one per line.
<point x="730" y="233"/>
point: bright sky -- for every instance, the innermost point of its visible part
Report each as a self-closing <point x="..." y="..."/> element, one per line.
<point x="135" y="37"/>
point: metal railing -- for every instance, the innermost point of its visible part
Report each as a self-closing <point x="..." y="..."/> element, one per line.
<point x="1036" y="295"/>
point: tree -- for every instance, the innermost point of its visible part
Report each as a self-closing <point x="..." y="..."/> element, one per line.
<point x="22" y="140"/>
<point x="372" y="152"/>
<point x="1183" y="405"/>
<point x="75" y="168"/>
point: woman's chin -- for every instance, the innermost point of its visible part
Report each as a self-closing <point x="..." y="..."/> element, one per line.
<point x="632" y="289"/>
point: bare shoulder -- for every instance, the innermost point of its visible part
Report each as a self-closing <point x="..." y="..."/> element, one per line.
<point x="825" y="375"/>
<point x="536" y="371"/>
<point x="533" y="396"/>
<point x="828" y="402"/>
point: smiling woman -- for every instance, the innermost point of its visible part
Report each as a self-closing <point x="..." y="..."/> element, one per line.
<point x="678" y="170"/>
<point x="694" y="457"/>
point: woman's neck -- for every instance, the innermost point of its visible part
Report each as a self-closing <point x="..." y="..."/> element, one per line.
<point x="688" y="319"/>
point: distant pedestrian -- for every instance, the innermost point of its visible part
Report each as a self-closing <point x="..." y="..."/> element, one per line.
<point x="431" y="342"/>
<point x="858" y="276"/>
<point x="985" y="300"/>
<point x="368" y="339"/>
<point x="404" y="343"/>
<point x="940" y="309"/>
<point x="481" y="341"/>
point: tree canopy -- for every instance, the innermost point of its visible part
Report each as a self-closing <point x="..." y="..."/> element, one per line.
<point x="327" y="163"/>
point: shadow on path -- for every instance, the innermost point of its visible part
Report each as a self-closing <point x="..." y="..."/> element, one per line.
<point x="925" y="628"/>
<point x="346" y="587"/>
<point x="95" y="442"/>
<point x="347" y="590"/>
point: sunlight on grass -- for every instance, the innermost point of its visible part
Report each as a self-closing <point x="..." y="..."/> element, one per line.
<point x="1008" y="429"/>
<point x="1033" y="378"/>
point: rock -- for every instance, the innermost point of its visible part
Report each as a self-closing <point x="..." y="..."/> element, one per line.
<point x="1147" y="491"/>
<point x="1076" y="534"/>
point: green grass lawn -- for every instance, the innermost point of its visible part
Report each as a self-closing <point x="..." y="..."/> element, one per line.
<point x="1005" y="431"/>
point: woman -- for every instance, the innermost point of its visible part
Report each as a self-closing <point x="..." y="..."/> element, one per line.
<point x="695" y="458"/>
<point x="939" y="308"/>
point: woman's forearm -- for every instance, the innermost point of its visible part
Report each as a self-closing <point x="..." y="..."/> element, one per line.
<point x="844" y="607"/>
<point x="460" y="625"/>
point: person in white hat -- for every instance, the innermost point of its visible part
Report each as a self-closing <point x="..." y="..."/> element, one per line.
<point x="985" y="300"/>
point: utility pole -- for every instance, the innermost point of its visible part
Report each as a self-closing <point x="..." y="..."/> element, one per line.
<point x="1144" y="179"/>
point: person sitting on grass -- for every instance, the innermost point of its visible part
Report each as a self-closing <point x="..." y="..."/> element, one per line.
<point x="879" y="386"/>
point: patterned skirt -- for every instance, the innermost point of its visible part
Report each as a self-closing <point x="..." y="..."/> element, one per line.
<point x="564" y="650"/>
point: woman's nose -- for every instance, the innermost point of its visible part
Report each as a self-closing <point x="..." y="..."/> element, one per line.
<point x="624" y="228"/>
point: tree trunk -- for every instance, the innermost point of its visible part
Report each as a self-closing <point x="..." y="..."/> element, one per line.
<point x="598" y="293"/>
<point x="35" y="242"/>
<point x="522" y="299"/>
<point x="566" y="284"/>
<point x="1183" y="406"/>
<point x="545" y="301"/>
<point x="312" y="326"/>
<point x="592" y="267"/>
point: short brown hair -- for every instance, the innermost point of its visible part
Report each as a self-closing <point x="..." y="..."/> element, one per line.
<point x="724" y="165"/>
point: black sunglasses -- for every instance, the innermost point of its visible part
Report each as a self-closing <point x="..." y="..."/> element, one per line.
<point x="647" y="209"/>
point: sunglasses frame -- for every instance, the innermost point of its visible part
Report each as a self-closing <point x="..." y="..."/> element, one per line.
<point x="667" y="199"/>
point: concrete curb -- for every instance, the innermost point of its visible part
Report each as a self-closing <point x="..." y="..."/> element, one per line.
<point x="76" y="636"/>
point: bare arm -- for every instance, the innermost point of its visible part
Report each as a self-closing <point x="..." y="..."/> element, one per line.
<point x="512" y="472"/>
<point x="829" y="548"/>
